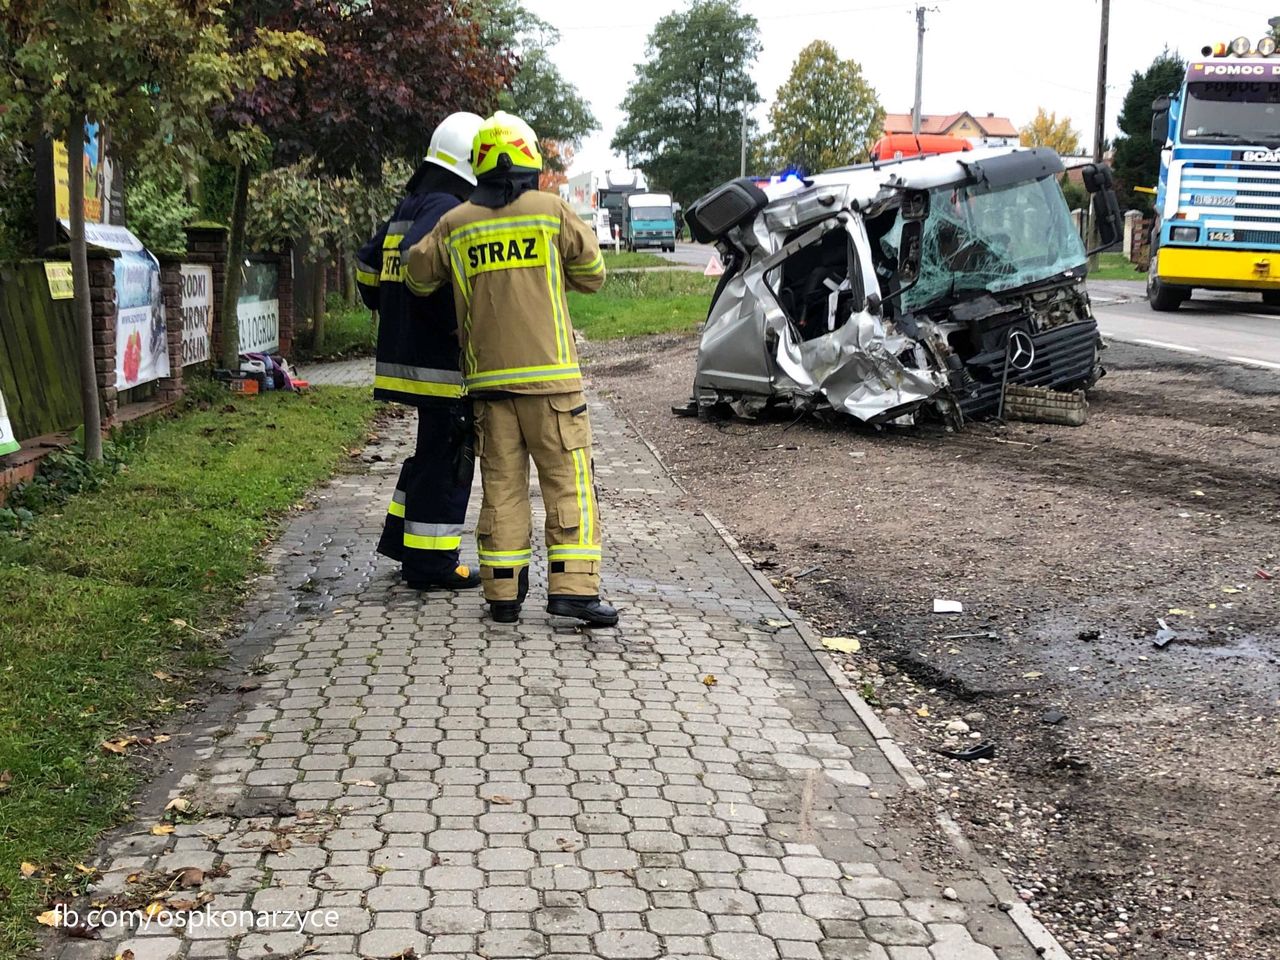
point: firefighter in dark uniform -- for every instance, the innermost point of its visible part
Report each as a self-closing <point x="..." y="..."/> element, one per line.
<point x="418" y="364"/>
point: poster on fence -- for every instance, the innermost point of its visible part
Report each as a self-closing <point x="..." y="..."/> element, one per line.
<point x="197" y="312"/>
<point x="142" y="342"/>
<point x="8" y="442"/>
<point x="258" y="308"/>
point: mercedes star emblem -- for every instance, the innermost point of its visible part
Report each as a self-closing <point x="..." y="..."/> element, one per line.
<point x="1021" y="350"/>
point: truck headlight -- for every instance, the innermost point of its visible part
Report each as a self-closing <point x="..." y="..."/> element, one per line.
<point x="1241" y="46"/>
<point x="1185" y="234"/>
<point x="1267" y="46"/>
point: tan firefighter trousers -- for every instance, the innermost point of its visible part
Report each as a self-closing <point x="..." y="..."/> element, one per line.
<point x="554" y="430"/>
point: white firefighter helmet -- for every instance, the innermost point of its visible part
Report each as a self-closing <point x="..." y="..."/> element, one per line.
<point x="451" y="144"/>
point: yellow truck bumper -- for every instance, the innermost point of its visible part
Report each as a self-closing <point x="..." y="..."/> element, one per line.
<point x="1231" y="269"/>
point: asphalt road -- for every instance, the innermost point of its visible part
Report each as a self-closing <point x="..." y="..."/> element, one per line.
<point x="1232" y="327"/>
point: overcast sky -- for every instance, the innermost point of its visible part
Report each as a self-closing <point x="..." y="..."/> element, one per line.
<point x="1005" y="57"/>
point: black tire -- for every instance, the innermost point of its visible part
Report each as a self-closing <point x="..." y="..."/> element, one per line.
<point x="1164" y="297"/>
<point x="1271" y="298"/>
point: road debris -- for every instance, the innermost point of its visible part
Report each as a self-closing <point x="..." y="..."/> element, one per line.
<point x="980" y="751"/>
<point x="1164" y="636"/>
<point x="947" y="606"/>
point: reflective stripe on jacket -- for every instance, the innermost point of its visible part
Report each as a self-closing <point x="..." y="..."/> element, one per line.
<point x="417" y="358"/>
<point x="509" y="269"/>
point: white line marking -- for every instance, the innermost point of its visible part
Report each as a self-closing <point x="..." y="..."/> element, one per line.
<point x="1167" y="346"/>
<point x="1256" y="363"/>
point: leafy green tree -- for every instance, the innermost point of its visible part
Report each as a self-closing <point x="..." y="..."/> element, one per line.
<point x="1137" y="158"/>
<point x="390" y="72"/>
<point x="826" y="114"/>
<point x="155" y="202"/>
<point x="539" y="93"/>
<point x="1046" y="130"/>
<point x="684" y="110"/>
<point x="148" y="70"/>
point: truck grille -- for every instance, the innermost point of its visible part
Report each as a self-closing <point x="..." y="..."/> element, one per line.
<point x="1239" y="202"/>
<point x="1065" y="356"/>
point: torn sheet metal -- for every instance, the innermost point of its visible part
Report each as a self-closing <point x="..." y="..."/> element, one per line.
<point x="814" y="309"/>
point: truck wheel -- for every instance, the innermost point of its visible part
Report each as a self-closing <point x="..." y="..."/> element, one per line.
<point x="1163" y="297"/>
<point x="1271" y="298"/>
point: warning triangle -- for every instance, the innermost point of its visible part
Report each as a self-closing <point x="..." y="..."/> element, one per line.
<point x="714" y="267"/>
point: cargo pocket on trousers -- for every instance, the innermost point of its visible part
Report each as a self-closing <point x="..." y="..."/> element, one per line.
<point x="568" y="513"/>
<point x="484" y="523"/>
<point x="477" y="426"/>
<point x="575" y="427"/>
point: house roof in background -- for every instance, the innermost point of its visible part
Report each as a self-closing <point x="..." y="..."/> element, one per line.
<point x="989" y="124"/>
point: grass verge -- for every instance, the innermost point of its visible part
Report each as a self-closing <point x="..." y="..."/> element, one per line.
<point x="626" y="260"/>
<point x="1116" y="266"/>
<point x="636" y="304"/>
<point x="95" y="606"/>
<point x="349" y="331"/>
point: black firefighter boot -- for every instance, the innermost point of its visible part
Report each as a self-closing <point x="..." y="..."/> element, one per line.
<point x="508" y="611"/>
<point x="592" y="611"/>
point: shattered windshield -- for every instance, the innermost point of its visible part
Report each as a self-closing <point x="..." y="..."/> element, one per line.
<point x="981" y="240"/>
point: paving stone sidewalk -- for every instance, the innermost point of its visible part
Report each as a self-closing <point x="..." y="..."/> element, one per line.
<point x="692" y="784"/>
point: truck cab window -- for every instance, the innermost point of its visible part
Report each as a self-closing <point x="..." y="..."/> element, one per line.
<point x="821" y="286"/>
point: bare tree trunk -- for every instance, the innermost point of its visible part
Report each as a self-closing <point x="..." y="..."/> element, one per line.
<point x="348" y="267"/>
<point x="235" y="270"/>
<point x="318" y="290"/>
<point x="80" y="279"/>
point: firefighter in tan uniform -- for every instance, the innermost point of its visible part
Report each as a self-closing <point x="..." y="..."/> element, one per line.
<point x="511" y="252"/>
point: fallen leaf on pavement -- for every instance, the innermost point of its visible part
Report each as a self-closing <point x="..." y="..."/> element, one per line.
<point x="50" y="918"/>
<point x="154" y="907"/>
<point x="162" y="829"/>
<point x="166" y="677"/>
<point x="500" y="798"/>
<point x="1033" y="675"/>
<point x="842" y="644"/>
<point x="922" y="712"/>
<point x="28" y="869"/>
<point x="363" y="783"/>
<point x="1179" y="612"/>
<point x="190" y="877"/>
<point x="118" y="746"/>
<point x="127" y="955"/>
<point x="709" y="680"/>
<point x="87" y="871"/>
<point x="161" y="738"/>
<point x="181" y="804"/>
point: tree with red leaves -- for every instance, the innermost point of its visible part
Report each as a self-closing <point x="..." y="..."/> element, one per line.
<point x="391" y="70"/>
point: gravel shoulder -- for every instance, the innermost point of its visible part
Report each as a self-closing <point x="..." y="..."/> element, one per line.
<point x="1145" y="821"/>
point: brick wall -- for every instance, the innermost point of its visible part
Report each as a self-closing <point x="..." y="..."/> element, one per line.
<point x="285" y="291"/>
<point x="171" y="387"/>
<point x="102" y="296"/>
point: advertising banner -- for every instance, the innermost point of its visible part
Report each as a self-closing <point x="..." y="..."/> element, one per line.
<point x="8" y="442"/>
<point x="100" y="188"/>
<point x="142" y="343"/>
<point x="258" y="308"/>
<point x="58" y="274"/>
<point x="197" y="312"/>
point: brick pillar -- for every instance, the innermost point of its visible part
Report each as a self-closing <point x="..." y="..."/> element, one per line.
<point x="285" y="292"/>
<point x="102" y="298"/>
<point x="171" y="387"/>
<point x="208" y="244"/>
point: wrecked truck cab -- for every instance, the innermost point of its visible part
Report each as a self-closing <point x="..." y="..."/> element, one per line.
<point x="888" y="290"/>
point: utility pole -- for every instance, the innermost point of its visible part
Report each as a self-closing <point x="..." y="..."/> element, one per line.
<point x="1100" y="110"/>
<point x="915" y="112"/>
<point x="742" y="166"/>
<point x="1099" y="117"/>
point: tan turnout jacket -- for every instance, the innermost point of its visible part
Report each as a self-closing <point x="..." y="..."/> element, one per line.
<point x="510" y="268"/>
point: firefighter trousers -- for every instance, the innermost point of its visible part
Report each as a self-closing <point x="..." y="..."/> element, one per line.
<point x="423" y="529"/>
<point x="555" y="431"/>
